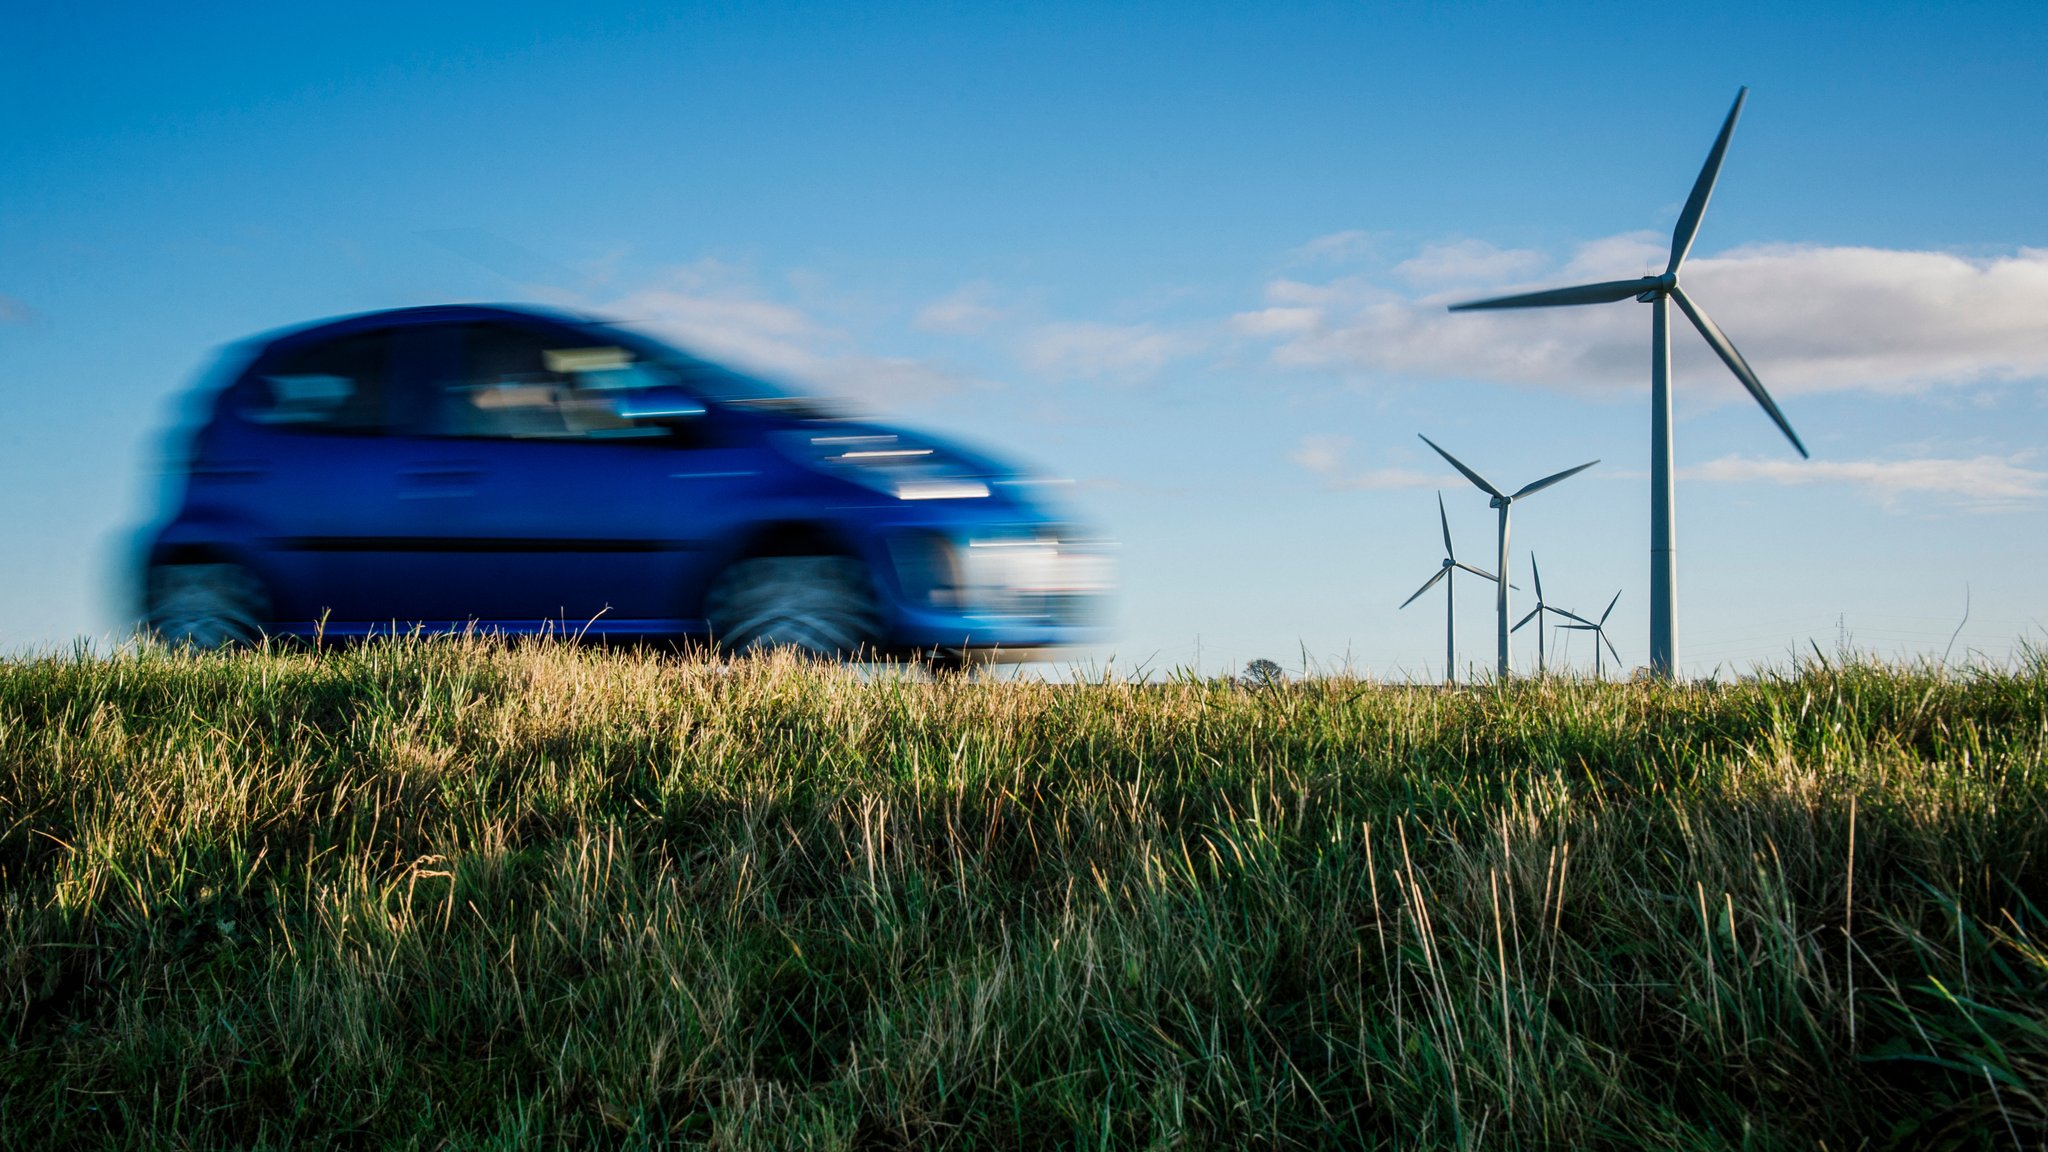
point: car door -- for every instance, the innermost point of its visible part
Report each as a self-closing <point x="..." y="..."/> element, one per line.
<point x="328" y="473"/>
<point x="551" y="510"/>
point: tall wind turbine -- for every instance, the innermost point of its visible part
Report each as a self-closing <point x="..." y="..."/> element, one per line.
<point x="1536" y="614"/>
<point x="1599" y="631"/>
<point x="1443" y="573"/>
<point x="1503" y="501"/>
<point x="1659" y="292"/>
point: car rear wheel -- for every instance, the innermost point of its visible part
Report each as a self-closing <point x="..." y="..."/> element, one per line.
<point x="816" y="605"/>
<point x="208" y="606"/>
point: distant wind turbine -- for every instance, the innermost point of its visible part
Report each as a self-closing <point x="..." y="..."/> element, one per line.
<point x="1536" y="614"/>
<point x="1599" y="631"/>
<point x="1443" y="573"/>
<point x="1503" y="501"/>
<point x="1659" y="292"/>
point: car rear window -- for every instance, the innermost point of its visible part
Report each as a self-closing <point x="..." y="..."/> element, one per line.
<point x="333" y="386"/>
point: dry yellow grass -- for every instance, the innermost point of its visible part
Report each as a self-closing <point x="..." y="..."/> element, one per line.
<point x="451" y="894"/>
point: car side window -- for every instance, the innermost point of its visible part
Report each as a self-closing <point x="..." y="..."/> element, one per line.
<point x="335" y="386"/>
<point x="532" y="383"/>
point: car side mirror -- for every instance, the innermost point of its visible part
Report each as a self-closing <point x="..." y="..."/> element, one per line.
<point x="659" y="405"/>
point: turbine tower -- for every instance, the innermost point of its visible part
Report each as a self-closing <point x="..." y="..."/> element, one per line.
<point x="1503" y="501"/>
<point x="1660" y="292"/>
<point x="1443" y="573"/>
<point x="1536" y="614"/>
<point x="1598" y="630"/>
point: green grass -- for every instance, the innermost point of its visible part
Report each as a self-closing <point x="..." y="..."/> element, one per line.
<point x="457" y="895"/>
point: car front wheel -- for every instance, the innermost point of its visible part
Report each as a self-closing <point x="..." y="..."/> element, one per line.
<point x="208" y="606"/>
<point x="817" y="605"/>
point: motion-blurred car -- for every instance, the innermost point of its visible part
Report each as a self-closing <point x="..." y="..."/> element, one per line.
<point x="521" y="472"/>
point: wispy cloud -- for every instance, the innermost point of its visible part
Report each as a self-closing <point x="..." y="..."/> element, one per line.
<point x="1810" y="318"/>
<point x="1460" y="262"/>
<point x="1980" y="483"/>
<point x="720" y="313"/>
<point x="1335" y="247"/>
<point x="966" y="311"/>
<point x="1126" y="352"/>
<point x="1327" y="456"/>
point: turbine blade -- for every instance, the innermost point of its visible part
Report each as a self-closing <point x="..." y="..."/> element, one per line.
<point x="1547" y="481"/>
<point x="1538" y="574"/>
<point x="1610" y="606"/>
<point x="1610" y="645"/>
<point x="1480" y="572"/>
<point x="1426" y="586"/>
<point x="1736" y="364"/>
<point x="1570" y="615"/>
<point x="1605" y="292"/>
<point x="1474" y="477"/>
<point x="1703" y="189"/>
<point x="1449" y="552"/>
<point x="1578" y="627"/>
<point x="1526" y="619"/>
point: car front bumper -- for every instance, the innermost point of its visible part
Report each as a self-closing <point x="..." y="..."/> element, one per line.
<point x="1009" y="587"/>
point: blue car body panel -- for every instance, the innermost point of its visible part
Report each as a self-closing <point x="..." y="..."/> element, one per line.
<point x="396" y="523"/>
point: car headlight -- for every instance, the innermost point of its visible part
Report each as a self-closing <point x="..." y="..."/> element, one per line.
<point x="1046" y="574"/>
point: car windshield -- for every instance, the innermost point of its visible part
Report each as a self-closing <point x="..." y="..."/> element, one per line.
<point x="714" y="382"/>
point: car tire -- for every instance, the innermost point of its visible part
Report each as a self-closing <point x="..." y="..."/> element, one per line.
<point x="206" y="606"/>
<point x="962" y="662"/>
<point x="820" y="606"/>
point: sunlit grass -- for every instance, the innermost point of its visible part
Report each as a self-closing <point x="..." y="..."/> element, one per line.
<point x="448" y="893"/>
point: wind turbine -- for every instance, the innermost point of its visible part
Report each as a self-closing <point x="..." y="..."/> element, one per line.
<point x="1502" y="501"/>
<point x="1598" y="630"/>
<point x="1443" y="573"/>
<point x="1659" y="292"/>
<point x="1536" y="614"/>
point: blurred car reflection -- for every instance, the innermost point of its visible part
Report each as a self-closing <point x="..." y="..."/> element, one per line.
<point x="529" y="472"/>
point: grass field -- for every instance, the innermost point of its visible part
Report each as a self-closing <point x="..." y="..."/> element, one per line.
<point x="456" y="895"/>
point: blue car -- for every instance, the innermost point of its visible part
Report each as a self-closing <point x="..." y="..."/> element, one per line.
<point x="525" y="472"/>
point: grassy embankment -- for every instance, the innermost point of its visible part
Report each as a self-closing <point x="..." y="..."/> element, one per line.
<point x="456" y="895"/>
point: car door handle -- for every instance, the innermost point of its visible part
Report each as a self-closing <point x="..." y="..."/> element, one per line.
<point x="448" y="480"/>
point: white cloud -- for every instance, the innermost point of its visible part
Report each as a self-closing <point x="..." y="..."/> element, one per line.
<point x="1337" y="246"/>
<point x="1278" y="322"/>
<point x="1327" y="457"/>
<point x="964" y="312"/>
<point x="1461" y="262"/>
<point x="1810" y="319"/>
<point x="761" y="335"/>
<point x="1619" y="257"/>
<point x="1118" y="351"/>
<point x="1984" y="483"/>
<point x="1322" y="455"/>
<point x="1893" y="320"/>
<point x="715" y="311"/>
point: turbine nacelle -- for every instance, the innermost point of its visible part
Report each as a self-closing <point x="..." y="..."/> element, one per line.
<point x="1650" y="289"/>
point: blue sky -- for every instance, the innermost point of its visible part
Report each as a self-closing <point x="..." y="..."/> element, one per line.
<point x="1192" y="257"/>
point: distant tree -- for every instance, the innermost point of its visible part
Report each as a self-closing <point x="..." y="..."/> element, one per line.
<point x="1263" y="674"/>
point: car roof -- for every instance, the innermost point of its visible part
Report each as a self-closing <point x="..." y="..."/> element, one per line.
<point x="427" y="314"/>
